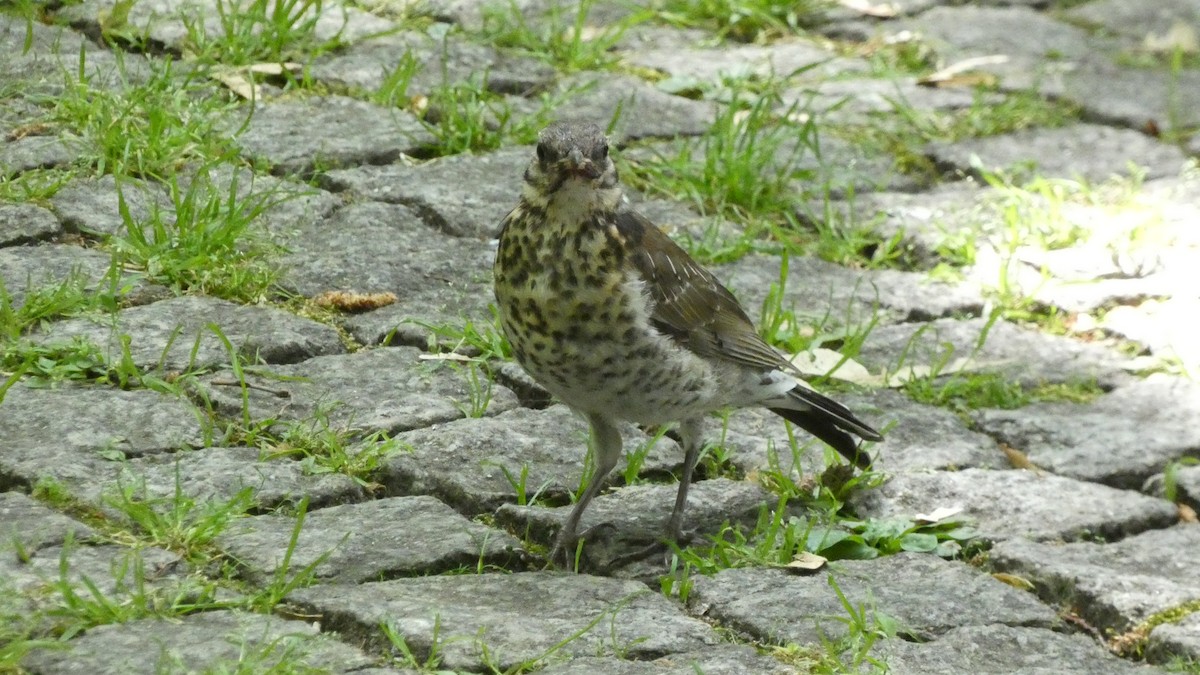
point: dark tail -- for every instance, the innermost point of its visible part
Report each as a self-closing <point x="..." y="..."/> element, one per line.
<point x="829" y="421"/>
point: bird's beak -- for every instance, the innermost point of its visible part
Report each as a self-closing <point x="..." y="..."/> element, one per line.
<point x="579" y="166"/>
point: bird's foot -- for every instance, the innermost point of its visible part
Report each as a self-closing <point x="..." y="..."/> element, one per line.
<point x="665" y="547"/>
<point x="566" y="545"/>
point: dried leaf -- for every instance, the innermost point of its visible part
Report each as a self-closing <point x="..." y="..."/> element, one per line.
<point x="446" y="356"/>
<point x="1180" y="37"/>
<point x="345" y="301"/>
<point x="821" y="362"/>
<point x="806" y="562"/>
<point x="32" y="129"/>
<point x="960" y="75"/>
<point x="864" y="7"/>
<point x="274" y="69"/>
<point x="1014" y="580"/>
<point x="939" y="514"/>
<point x="236" y="82"/>
<point x="1018" y="459"/>
<point x="1187" y="514"/>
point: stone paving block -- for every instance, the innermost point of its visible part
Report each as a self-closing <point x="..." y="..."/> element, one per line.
<point x="29" y="524"/>
<point x="1120" y="439"/>
<point x="39" y="152"/>
<point x="841" y="168"/>
<point x="24" y="269"/>
<point x="840" y="14"/>
<point x="217" y="475"/>
<point x="53" y="50"/>
<point x="167" y="21"/>
<point x="712" y="65"/>
<point x="56" y="431"/>
<point x="999" y="648"/>
<point x="1187" y="485"/>
<point x="93" y="205"/>
<point x="642" y="110"/>
<point x="1007" y="504"/>
<point x="118" y="573"/>
<point x="1166" y="327"/>
<point x="1170" y="640"/>
<point x="927" y="220"/>
<point x="916" y="437"/>
<point x="635" y="516"/>
<point x="864" y="100"/>
<point x="373" y="247"/>
<point x="823" y="293"/>
<point x="464" y="463"/>
<point x="725" y="659"/>
<point x="779" y="607"/>
<point x="920" y="437"/>
<point x="463" y="195"/>
<point x="22" y="224"/>
<point x="650" y="35"/>
<point x="1112" y="586"/>
<point x="441" y="61"/>
<point x="1136" y="21"/>
<point x="1081" y="151"/>
<point x="844" y="168"/>
<point x="388" y="389"/>
<point x="1020" y="354"/>
<point x="19" y="118"/>
<point x="296" y="136"/>
<point x="218" y="641"/>
<point x="1031" y="41"/>
<point x="370" y="541"/>
<point x="285" y="205"/>
<point x="515" y="617"/>
<point x="1129" y="96"/>
<point x="175" y="335"/>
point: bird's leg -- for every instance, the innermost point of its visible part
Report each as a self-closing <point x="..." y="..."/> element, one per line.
<point x="692" y="441"/>
<point x="691" y="432"/>
<point x="606" y="438"/>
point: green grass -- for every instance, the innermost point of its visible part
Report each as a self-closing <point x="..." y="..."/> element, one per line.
<point x="777" y="539"/>
<point x="179" y="523"/>
<point x="744" y="20"/>
<point x="36" y="186"/>
<point x="465" y="116"/>
<point x="563" y="38"/>
<point x="905" y="131"/>
<point x="962" y="392"/>
<point x="484" y="341"/>
<point x="207" y="241"/>
<point x="743" y="168"/>
<point x="258" y="31"/>
<point x="70" y="602"/>
<point x="74" y="295"/>
<point x="148" y="128"/>
<point x="322" y="448"/>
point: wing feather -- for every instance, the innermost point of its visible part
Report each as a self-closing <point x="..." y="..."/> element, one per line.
<point x="691" y="305"/>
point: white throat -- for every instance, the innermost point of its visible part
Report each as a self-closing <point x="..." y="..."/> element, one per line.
<point x="576" y="200"/>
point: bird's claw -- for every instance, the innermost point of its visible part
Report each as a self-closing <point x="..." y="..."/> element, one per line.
<point x="565" y="549"/>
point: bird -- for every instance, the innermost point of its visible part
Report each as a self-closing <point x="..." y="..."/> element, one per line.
<point x="616" y="320"/>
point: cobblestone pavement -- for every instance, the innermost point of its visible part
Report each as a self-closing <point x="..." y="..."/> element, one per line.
<point x="263" y="411"/>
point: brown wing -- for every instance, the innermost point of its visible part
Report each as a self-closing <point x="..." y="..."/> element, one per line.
<point x="690" y="304"/>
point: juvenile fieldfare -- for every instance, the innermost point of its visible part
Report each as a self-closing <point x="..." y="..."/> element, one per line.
<point x="620" y="323"/>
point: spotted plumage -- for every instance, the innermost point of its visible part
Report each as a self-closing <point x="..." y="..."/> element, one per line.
<point x="620" y="323"/>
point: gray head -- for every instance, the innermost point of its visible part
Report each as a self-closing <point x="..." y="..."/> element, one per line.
<point x="567" y="150"/>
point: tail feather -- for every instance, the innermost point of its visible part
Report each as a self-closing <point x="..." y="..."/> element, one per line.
<point x="829" y="421"/>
